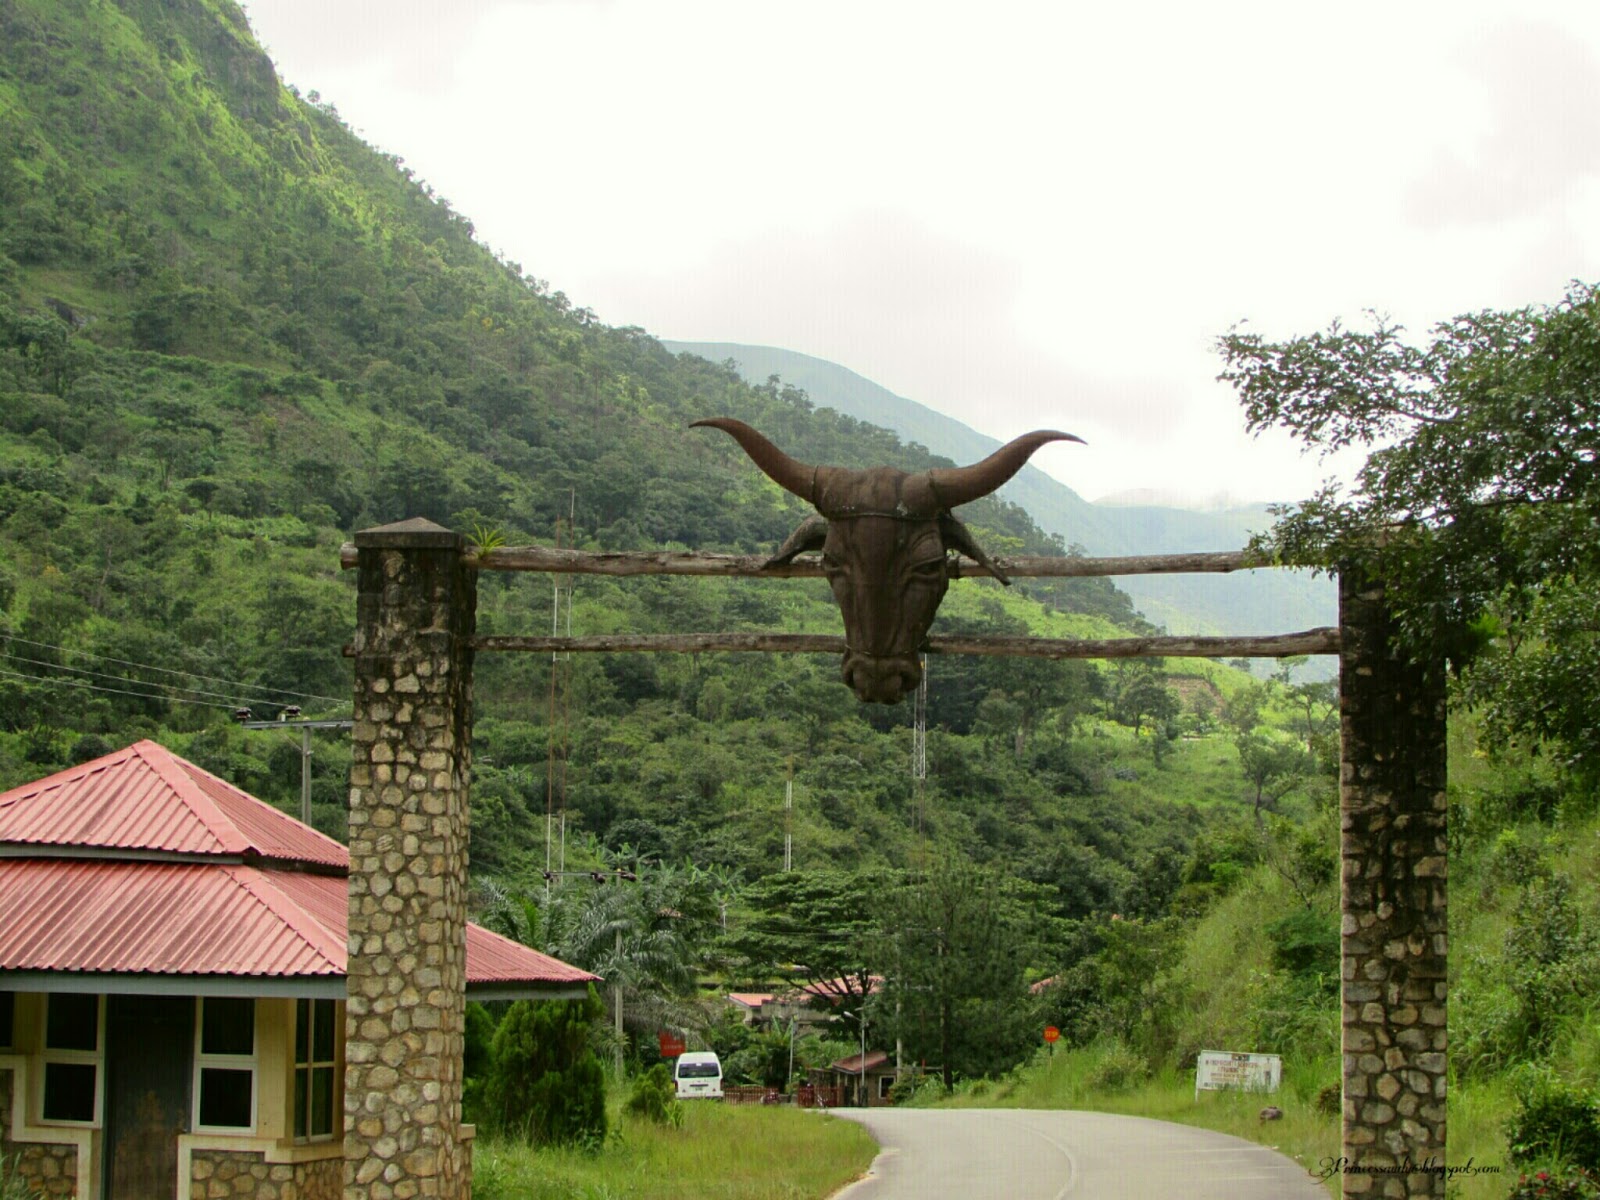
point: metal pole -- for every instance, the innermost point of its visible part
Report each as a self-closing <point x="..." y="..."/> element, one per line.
<point x="305" y="774"/>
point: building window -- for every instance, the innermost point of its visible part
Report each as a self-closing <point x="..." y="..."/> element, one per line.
<point x="225" y="1065"/>
<point x="314" y="1038"/>
<point x="74" y="1032"/>
<point x="8" y="1017"/>
<point x="885" y="1082"/>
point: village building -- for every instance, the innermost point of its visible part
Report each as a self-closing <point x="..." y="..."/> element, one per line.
<point x="173" y="985"/>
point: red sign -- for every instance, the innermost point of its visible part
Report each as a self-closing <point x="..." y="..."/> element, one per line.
<point x="671" y="1044"/>
<point x="1051" y="1033"/>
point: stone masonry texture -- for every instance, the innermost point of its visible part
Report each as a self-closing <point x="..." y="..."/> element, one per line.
<point x="246" y="1175"/>
<point x="1392" y="851"/>
<point x="409" y="771"/>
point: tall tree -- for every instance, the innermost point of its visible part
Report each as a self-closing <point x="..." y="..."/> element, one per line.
<point x="1479" y="503"/>
<point x="954" y="950"/>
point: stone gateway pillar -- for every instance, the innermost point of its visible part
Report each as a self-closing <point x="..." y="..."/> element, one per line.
<point x="409" y="768"/>
<point x="1392" y="849"/>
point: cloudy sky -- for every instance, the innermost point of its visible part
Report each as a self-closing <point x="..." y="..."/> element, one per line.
<point x="1021" y="214"/>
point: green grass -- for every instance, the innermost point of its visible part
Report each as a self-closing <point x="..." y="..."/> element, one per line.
<point x="722" y="1152"/>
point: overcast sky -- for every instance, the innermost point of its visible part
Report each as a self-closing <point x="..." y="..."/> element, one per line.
<point x="1024" y="215"/>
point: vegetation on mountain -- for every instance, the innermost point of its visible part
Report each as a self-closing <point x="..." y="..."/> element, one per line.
<point x="231" y="334"/>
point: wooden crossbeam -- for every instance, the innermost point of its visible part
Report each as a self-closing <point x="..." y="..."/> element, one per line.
<point x="664" y="562"/>
<point x="1324" y="640"/>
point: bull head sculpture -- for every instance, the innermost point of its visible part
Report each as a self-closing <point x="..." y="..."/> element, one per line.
<point x="884" y="536"/>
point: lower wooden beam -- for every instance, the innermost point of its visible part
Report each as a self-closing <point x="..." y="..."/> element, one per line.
<point x="1283" y="645"/>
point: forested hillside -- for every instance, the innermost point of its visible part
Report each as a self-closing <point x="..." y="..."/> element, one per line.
<point x="231" y="334"/>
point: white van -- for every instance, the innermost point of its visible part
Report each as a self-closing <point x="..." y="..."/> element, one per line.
<point x="698" y="1075"/>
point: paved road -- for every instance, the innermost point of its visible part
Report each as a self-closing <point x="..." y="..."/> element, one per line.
<point x="1036" y="1154"/>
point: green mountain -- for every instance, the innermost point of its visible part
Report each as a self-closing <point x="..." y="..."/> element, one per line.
<point x="1249" y="602"/>
<point x="231" y="334"/>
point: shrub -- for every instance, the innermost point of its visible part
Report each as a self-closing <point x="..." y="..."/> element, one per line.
<point x="545" y="1084"/>
<point x="655" y="1098"/>
<point x="1554" y="1122"/>
<point x="1118" y="1069"/>
<point x="1579" y="1185"/>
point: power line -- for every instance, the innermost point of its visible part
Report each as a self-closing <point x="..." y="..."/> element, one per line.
<point x="168" y="694"/>
<point x="123" y="662"/>
<point x="78" y="683"/>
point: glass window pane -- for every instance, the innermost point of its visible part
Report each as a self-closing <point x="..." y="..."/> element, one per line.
<point x="302" y="1030"/>
<point x="301" y="1082"/>
<point x="322" y="1041"/>
<point x="72" y="1022"/>
<point x="8" y="1015"/>
<point x="321" y="1101"/>
<point x="225" y="1097"/>
<point x="69" y="1091"/>
<point x="228" y="1026"/>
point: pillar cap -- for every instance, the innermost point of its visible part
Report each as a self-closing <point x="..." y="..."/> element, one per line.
<point x="418" y="533"/>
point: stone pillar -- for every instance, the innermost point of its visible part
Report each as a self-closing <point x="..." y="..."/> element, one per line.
<point x="1392" y="847"/>
<point x="409" y="768"/>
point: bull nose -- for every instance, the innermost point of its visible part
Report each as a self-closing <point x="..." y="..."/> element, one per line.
<point x="881" y="680"/>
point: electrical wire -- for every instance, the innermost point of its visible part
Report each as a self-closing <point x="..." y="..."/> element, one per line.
<point x="233" y="700"/>
<point x="123" y="662"/>
<point x="78" y="683"/>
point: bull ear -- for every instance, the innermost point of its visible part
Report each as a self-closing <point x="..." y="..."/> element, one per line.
<point x="958" y="537"/>
<point x="955" y="486"/>
<point x="790" y="474"/>
<point x="809" y="536"/>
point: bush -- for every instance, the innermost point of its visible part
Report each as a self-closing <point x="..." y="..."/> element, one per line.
<point x="545" y="1084"/>
<point x="1579" y="1185"/>
<point x="1555" y="1122"/>
<point x="1118" y="1070"/>
<point x="655" y="1097"/>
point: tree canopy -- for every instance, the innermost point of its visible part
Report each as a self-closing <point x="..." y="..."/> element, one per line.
<point x="1479" y="504"/>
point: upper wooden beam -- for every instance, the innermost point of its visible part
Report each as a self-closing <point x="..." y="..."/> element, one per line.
<point x="666" y="562"/>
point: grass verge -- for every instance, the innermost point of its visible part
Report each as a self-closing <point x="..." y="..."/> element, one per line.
<point x="722" y="1152"/>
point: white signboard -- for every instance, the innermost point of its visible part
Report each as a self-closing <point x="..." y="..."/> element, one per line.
<point x="1215" y="1070"/>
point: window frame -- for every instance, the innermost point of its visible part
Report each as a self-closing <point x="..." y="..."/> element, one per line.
<point x="56" y="1056"/>
<point x="225" y="1062"/>
<point x="309" y="1066"/>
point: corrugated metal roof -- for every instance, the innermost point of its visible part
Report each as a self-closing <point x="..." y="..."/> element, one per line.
<point x="115" y="914"/>
<point x="90" y="915"/>
<point x="146" y="798"/>
<point x="158" y="918"/>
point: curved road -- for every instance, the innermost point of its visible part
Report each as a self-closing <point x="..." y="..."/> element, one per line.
<point x="1037" y="1154"/>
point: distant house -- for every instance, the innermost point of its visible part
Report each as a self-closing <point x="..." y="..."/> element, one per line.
<point x="753" y="1007"/>
<point x="172" y="986"/>
<point x="863" y="1083"/>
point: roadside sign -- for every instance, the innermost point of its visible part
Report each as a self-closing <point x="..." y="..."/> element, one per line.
<point x="1052" y="1034"/>
<point x="1216" y="1070"/>
<point x="671" y="1044"/>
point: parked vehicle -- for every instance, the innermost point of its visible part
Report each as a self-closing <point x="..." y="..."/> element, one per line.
<point x="698" y="1076"/>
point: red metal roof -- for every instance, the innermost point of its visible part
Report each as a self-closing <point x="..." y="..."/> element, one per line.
<point x="210" y="915"/>
<point x="852" y="1065"/>
<point x="147" y="798"/>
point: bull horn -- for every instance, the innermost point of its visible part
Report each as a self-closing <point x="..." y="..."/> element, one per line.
<point x="959" y="485"/>
<point x="790" y="474"/>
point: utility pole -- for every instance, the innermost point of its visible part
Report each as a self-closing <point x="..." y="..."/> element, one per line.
<point x="788" y="819"/>
<point x="305" y="727"/>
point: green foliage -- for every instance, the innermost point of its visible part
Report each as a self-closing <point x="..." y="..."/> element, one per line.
<point x="654" y="1097"/>
<point x="1117" y="1068"/>
<point x="1554" y="1123"/>
<point x="545" y="1084"/>
<point x="1478" y="507"/>
<point x="1572" y="1184"/>
<point x="954" y="949"/>
<point x="1305" y="942"/>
